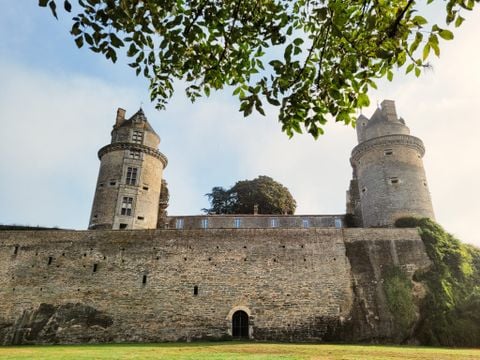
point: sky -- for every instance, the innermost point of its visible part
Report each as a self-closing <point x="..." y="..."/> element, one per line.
<point x="58" y="105"/>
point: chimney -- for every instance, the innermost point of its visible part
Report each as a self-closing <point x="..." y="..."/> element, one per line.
<point x="255" y="209"/>
<point x="120" y="117"/>
<point x="388" y="109"/>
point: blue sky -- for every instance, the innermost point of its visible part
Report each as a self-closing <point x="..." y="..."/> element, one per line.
<point x="58" y="104"/>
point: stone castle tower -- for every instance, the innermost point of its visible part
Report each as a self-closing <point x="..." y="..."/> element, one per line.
<point x="129" y="182"/>
<point x="389" y="180"/>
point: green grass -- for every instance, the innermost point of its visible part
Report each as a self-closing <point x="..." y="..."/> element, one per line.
<point x="233" y="350"/>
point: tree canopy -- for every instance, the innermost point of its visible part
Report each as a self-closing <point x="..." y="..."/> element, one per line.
<point x="311" y="58"/>
<point x="270" y="196"/>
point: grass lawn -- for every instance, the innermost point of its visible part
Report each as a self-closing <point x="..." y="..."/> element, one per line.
<point x="233" y="350"/>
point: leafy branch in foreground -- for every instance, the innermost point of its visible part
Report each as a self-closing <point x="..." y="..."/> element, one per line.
<point x="310" y="58"/>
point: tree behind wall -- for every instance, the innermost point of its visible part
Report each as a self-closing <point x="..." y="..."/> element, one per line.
<point x="270" y="196"/>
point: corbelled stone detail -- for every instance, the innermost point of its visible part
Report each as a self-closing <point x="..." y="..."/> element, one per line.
<point x="134" y="147"/>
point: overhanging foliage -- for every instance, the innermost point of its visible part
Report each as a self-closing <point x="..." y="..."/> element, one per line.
<point x="310" y="58"/>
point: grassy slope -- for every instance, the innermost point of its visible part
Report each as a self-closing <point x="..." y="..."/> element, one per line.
<point x="234" y="350"/>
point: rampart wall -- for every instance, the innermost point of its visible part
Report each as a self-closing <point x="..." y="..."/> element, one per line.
<point x="139" y="286"/>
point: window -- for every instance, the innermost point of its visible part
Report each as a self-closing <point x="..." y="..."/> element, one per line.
<point x="132" y="176"/>
<point x="140" y="218"/>
<point x="204" y="223"/>
<point x="305" y="223"/>
<point x="179" y="224"/>
<point x="113" y="183"/>
<point x="388" y="152"/>
<point x="137" y="137"/>
<point x="123" y="226"/>
<point x="127" y="206"/>
<point x="134" y="154"/>
<point x="338" y="223"/>
<point x="237" y="223"/>
<point x="394" y="180"/>
<point x="95" y="267"/>
<point x="144" y="279"/>
<point x="195" y="290"/>
<point x="364" y="190"/>
<point x="273" y="223"/>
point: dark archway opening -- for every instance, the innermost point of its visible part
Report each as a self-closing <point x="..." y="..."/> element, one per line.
<point x="240" y="325"/>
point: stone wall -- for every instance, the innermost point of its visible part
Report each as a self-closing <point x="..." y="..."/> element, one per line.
<point x="138" y="286"/>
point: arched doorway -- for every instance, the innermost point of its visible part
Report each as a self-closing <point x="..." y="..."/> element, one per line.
<point x="240" y="325"/>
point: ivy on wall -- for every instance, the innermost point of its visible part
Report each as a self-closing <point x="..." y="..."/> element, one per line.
<point x="450" y="311"/>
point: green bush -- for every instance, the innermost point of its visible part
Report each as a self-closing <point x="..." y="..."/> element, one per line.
<point x="450" y="312"/>
<point x="407" y="222"/>
<point x="398" y="292"/>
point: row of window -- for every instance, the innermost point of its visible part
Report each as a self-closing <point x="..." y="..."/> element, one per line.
<point x="237" y="223"/>
<point x="393" y="180"/>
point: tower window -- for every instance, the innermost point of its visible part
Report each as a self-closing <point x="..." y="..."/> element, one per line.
<point x="95" y="267"/>
<point x="179" y="224"/>
<point x="50" y="259"/>
<point x="273" y="222"/>
<point x="137" y="137"/>
<point x="127" y="206"/>
<point x="132" y="175"/>
<point x="134" y="154"/>
<point x="144" y="279"/>
<point x="394" y="180"/>
<point x="388" y="152"/>
<point x="237" y="223"/>
<point x="195" y="290"/>
<point x="305" y="223"/>
<point x="140" y="218"/>
<point x="204" y="223"/>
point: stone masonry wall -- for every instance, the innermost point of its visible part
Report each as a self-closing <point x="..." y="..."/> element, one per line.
<point x="138" y="286"/>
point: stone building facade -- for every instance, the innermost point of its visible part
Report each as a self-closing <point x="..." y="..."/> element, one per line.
<point x="130" y="178"/>
<point x="264" y="277"/>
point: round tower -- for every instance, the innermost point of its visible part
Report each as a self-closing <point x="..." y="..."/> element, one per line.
<point x="388" y="170"/>
<point x="130" y="176"/>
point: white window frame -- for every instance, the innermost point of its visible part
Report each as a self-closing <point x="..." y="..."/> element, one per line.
<point x="204" y="223"/>
<point x="179" y="224"/>
<point x="237" y="223"/>
<point x="137" y="136"/>
<point x="338" y="223"/>
<point x="127" y="206"/>
<point x="131" y="176"/>
<point x="273" y="222"/>
<point x="305" y="223"/>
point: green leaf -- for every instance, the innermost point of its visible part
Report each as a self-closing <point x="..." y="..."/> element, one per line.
<point x="446" y="34"/>
<point x="419" y="20"/>
<point x="389" y="75"/>
<point x="79" y="41"/>
<point x="426" y="51"/>
<point x="53" y="8"/>
<point x="363" y="100"/>
<point x="409" y="68"/>
<point x="67" y="6"/>
<point x="459" y="21"/>
<point x="298" y="41"/>
<point x="417" y="71"/>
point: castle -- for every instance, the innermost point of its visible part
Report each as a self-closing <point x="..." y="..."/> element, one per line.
<point x="139" y="275"/>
